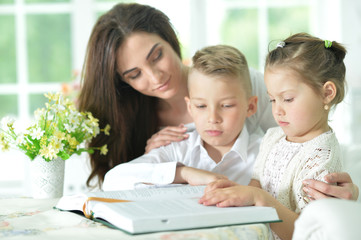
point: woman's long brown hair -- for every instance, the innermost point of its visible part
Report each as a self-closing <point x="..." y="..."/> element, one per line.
<point x="131" y="115"/>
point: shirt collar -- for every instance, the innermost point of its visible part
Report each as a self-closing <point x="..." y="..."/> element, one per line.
<point x="198" y="144"/>
<point x="240" y="146"/>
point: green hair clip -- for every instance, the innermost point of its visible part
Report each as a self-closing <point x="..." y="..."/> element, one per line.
<point x="328" y="44"/>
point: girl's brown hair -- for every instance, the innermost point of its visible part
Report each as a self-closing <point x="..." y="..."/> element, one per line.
<point x="315" y="62"/>
<point x="131" y="115"/>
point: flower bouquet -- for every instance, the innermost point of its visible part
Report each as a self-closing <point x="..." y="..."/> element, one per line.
<point x="58" y="132"/>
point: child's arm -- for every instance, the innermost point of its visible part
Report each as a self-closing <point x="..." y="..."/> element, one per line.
<point x="252" y="196"/>
<point x="255" y="183"/>
<point x="195" y="176"/>
<point x="224" y="183"/>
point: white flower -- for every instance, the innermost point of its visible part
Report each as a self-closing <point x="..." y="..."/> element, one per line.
<point x="39" y="113"/>
<point x="87" y="129"/>
<point x="57" y="145"/>
<point x="96" y="130"/>
<point x="53" y="96"/>
<point x="48" y="152"/>
<point x="6" y="122"/>
<point x="74" y="119"/>
<point x="20" y="140"/>
<point x="36" y="133"/>
<point x="58" y="107"/>
<point x="70" y="128"/>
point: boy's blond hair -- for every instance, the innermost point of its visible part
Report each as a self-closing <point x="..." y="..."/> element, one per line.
<point x="223" y="60"/>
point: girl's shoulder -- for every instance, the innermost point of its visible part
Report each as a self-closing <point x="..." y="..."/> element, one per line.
<point x="327" y="139"/>
<point x="272" y="136"/>
<point x="274" y="133"/>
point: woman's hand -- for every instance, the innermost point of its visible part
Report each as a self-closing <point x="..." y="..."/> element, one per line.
<point x="195" y="176"/>
<point x="166" y="136"/>
<point x="343" y="188"/>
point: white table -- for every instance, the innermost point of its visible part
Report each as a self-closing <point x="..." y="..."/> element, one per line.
<point x="27" y="218"/>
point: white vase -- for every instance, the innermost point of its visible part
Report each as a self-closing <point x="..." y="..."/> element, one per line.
<point x="47" y="178"/>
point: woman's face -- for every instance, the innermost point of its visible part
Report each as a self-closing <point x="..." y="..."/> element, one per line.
<point x="150" y="65"/>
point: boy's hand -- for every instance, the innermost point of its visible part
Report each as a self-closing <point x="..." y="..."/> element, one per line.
<point x="195" y="176"/>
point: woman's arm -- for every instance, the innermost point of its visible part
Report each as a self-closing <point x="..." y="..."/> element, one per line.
<point x="344" y="187"/>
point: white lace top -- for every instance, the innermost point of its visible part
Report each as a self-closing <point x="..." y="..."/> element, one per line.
<point x="274" y="168"/>
<point x="281" y="166"/>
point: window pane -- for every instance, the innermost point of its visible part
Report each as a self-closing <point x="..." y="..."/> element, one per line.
<point x="49" y="48"/>
<point x="119" y="1"/>
<point x="239" y="29"/>
<point x="7" y="49"/>
<point x="10" y="106"/>
<point x="36" y="101"/>
<point x="284" y="22"/>
<point x="6" y="1"/>
<point x="45" y="1"/>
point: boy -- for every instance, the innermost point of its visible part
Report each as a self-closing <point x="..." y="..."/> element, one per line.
<point x="219" y="102"/>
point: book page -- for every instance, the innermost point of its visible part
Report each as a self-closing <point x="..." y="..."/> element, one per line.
<point x="76" y="202"/>
<point x="141" y="209"/>
<point x="145" y="194"/>
<point x="72" y="202"/>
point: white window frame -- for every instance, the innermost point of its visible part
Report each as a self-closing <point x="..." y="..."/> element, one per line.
<point x="203" y="19"/>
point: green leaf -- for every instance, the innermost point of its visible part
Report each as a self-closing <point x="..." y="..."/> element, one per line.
<point x="30" y="155"/>
<point x="63" y="155"/>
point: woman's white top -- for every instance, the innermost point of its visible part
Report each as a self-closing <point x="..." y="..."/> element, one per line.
<point x="263" y="117"/>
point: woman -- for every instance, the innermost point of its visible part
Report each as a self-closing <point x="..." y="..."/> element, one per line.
<point x="134" y="80"/>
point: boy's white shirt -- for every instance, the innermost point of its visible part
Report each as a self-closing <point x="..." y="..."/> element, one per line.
<point x="159" y="165"/>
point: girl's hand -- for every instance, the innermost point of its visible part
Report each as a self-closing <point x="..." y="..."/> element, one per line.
<point x="166" y="136"/>
<point x="221" y="183"/>
<point x="234" y="196"/>
<point x="195" y="176"/>
<point x="343" y="189"/>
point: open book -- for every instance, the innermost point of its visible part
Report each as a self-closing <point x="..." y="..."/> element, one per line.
<point x="161" y="209"/>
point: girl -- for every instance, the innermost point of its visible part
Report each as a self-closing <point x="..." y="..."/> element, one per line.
<point x="305" y="77"/>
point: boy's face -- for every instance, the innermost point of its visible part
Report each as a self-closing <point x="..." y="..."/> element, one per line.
<point x="219" y="107"/>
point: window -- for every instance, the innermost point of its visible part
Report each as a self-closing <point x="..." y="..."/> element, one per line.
<point x="43" y="44"/>
<point x="37" y="43"/>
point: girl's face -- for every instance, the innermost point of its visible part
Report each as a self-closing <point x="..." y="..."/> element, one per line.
<point x="150" y="65"/>
<point x="219" y="107"/>
<point x="296" y="107"/>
